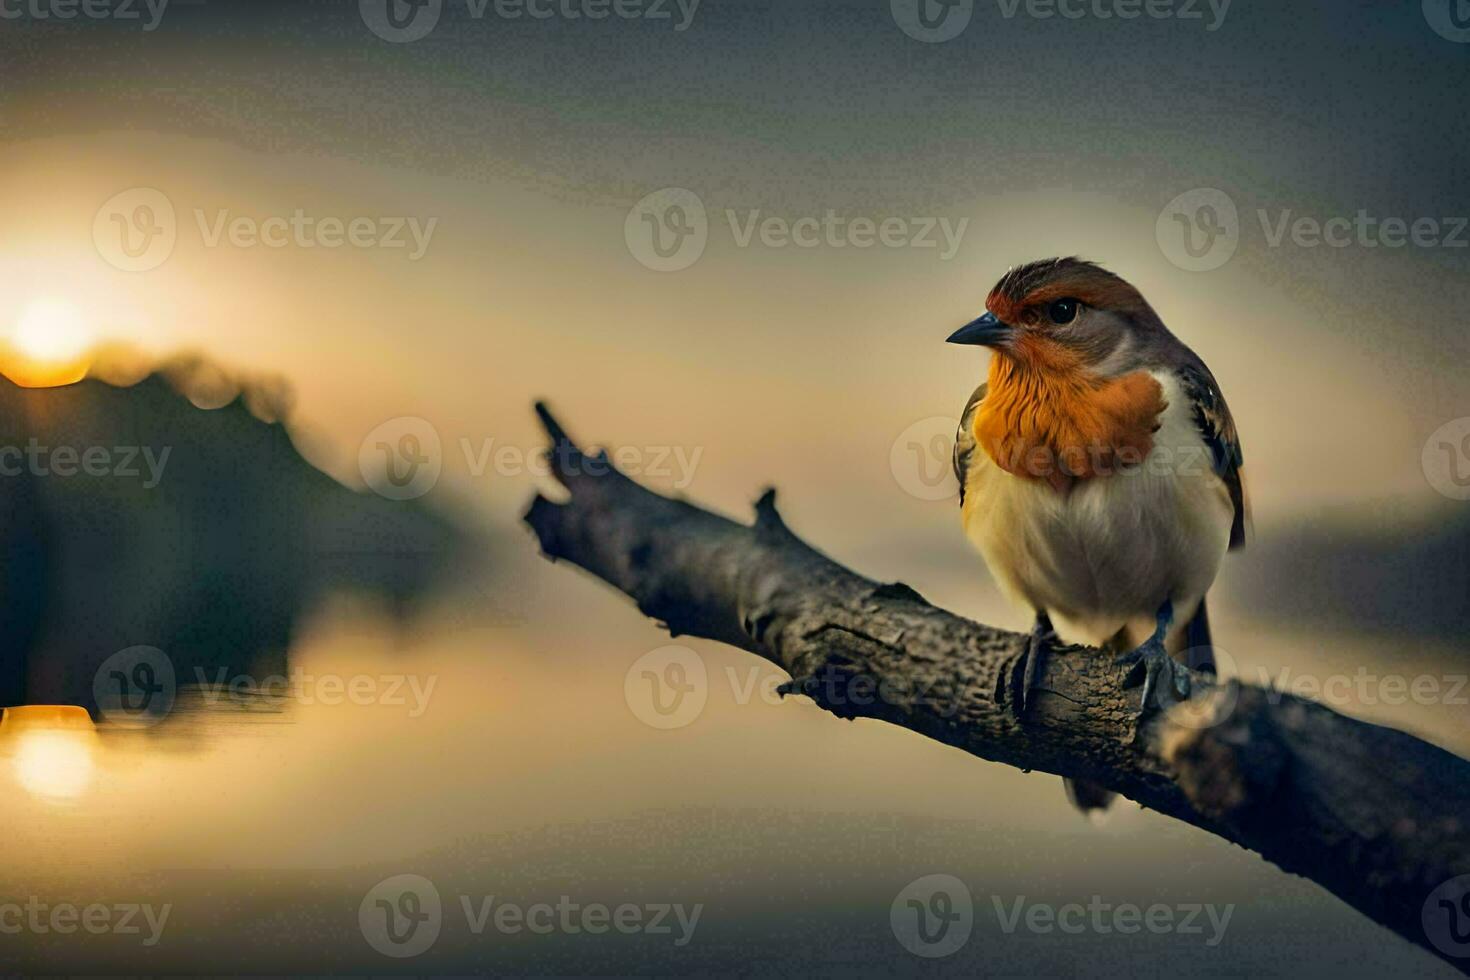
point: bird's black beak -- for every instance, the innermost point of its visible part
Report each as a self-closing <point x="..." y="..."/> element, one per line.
<point x="987" y="331"/>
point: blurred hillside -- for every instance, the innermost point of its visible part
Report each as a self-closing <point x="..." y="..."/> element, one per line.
<point x="1392" y="568"/>
<point x="130" y="515"/>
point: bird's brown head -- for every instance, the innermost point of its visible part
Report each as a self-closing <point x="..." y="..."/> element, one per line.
<point x="1062" y="314"/>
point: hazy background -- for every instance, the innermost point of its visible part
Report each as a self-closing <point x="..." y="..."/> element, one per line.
<point x="527" y="142"/>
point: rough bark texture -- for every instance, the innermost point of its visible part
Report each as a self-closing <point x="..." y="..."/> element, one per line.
<point x="1378" y="817"/>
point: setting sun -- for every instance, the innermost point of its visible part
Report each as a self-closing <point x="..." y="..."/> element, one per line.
<point x="53" y="749"/>
<point x="49" y="346"/>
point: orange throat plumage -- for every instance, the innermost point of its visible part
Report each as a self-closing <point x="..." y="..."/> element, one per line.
<point x="1046" y="416"/>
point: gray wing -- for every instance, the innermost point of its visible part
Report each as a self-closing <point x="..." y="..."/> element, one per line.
<point x="1212" y="417"/>
<point x="964" y="440"/>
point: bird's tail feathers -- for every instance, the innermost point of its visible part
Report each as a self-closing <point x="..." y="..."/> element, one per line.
<point x="1198" y="647"/>
<point x="1090" y="798"/>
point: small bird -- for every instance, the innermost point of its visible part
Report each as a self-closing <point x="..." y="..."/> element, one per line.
<point x="1100" y="476"/>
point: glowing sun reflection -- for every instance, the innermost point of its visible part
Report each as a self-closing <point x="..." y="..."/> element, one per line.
<point x="53" y="749"/>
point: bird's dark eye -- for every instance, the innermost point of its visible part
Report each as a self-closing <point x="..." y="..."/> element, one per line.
<point x="1062" y="311"/>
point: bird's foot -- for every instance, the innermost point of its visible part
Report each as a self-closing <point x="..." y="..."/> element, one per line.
<point x="1165" y="680"/>
<point x="1038" y="645"/>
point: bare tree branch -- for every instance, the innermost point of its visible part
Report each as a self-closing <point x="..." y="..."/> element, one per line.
<point x="1379" y="818"/>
